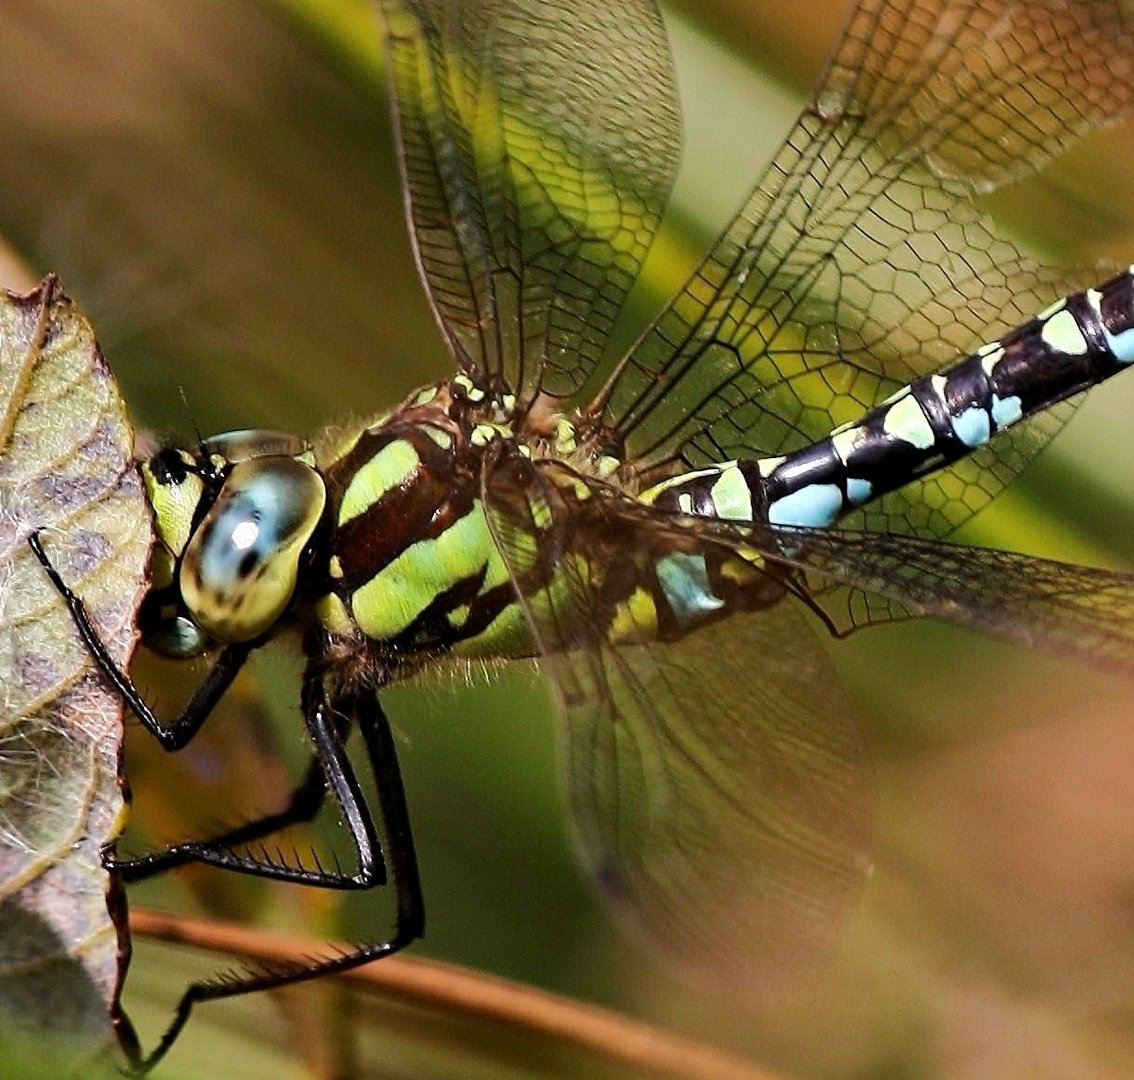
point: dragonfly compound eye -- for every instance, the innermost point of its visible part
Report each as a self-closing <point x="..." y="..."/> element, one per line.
<point x="241" y="565"/>
<point x="248" y="443"/>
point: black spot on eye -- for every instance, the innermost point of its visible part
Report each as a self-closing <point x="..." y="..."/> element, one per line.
<point x="247" y="564"/>
<point x="168" y="467"/>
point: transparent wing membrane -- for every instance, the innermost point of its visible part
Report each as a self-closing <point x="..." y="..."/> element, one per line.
<point x="538" y="143"/>
<point x="1074" y="610"/>
<point x="718" y="785"/>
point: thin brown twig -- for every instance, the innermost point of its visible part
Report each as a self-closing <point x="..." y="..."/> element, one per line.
<point x="473" y="994"/>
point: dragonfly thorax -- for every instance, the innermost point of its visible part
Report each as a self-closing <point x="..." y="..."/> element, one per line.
<point x="412" y="568"/>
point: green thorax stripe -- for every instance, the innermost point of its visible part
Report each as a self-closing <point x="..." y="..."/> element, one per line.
<point x="446" y="567"/>
<point x="394" y="488"/>
<point x="393" y="465"/>
<point x="412" y="558"/>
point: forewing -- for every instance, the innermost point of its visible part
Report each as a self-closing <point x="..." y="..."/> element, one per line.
<point x="860" y="260"/>
<point x="537" y="142"/>
<point x="717" y="783"/>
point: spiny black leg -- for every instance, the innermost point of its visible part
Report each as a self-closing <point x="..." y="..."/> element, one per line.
<point x="179" y="733"/>
<point x="326" y="731"/>
<point x="304" y="804"/>
<point x="401" y="859"/>
<point x="401" y="855"/>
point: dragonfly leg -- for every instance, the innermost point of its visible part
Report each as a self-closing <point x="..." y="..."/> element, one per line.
<point x="331" y="771"/>
<point x="401" y="859"/>
<point x="180" y="732"/>
<point x="308" y="796"/>
<point x="330" y="768"/>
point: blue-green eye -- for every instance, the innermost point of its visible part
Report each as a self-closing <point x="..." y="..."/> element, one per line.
<point x="242" y="563"/>
<point x="178" y="637"/>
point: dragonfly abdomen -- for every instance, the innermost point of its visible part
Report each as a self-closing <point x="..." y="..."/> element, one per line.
<point x="1077" y="343"/>
<point x="935" y="420"/>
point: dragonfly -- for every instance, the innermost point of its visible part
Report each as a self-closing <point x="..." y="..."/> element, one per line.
<point x="860" y="363"/>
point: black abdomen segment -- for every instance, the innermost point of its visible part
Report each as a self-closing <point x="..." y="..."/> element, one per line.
<point x="937" y="419"/>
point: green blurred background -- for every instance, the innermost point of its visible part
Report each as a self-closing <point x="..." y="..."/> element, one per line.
<point x="215" y="182"/>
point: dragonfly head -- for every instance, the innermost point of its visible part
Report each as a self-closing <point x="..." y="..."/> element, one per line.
<point x="233" y="519"/>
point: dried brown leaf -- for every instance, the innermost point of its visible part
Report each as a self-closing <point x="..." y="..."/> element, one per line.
<point x="66" y="469"/>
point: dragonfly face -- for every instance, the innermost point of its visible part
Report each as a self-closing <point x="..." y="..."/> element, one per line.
<point x="233" y="522"/>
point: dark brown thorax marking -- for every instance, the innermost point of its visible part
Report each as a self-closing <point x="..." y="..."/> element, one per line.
<point x="438" y="492"/>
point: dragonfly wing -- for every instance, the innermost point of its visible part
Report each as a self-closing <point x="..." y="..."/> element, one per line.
<point x="537" y="140"/>
<point x="716" y="778"/>
<point x="860" y="259"/>
<point x="1079" y="611"/>
<point x="719" y="791"/>
<point x="856" y="578"/>
<point x="718" y="784"/>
